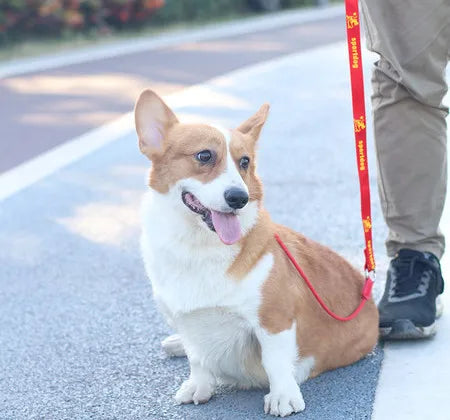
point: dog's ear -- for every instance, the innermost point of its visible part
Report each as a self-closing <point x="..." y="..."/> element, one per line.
<point x="253" y="126"/>
<point x="153" y="120"/>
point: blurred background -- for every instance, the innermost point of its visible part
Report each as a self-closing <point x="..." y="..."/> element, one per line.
<point x="68" y="66"/>
<point x="22" y="19"/>
<point x="79" y="332"/>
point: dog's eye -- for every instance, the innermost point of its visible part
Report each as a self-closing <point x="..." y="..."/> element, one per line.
<point x="204" y="156"/>
<point x="244" y="162"/>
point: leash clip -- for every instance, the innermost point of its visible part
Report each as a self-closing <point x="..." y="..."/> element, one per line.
<point x="370" y="275"/>
<point x="367" y="289"/>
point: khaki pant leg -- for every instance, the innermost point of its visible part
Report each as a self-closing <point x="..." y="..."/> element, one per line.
<point x="413" y="39"/>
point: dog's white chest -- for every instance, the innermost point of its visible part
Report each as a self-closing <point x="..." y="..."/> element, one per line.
<point x="188" y="266"/>
<point x="185" y="279"/>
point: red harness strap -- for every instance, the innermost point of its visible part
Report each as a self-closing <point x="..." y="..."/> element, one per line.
<point x="359" y="127"/>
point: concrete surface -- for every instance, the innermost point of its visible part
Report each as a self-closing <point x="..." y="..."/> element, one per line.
<point x="80" y="333"/>
<point x="80" y="336"/>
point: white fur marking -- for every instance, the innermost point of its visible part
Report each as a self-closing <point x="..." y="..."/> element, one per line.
<point x="186" y="262"/>
<point x="303" y="368"/>
<point x="279" y="356"/>
<point x="211" y="194"/>
<point x="173" y="346"/>
<point x="198" y="388"/>
<point x="215" y="315"/>
<point x="232" y="177"/>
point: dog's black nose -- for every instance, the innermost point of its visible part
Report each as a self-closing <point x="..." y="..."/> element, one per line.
<point x="236" y="198"/>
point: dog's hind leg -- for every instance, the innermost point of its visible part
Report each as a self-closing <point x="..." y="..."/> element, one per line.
<point x="173" y="346"/>
<point x="303" y="369"/>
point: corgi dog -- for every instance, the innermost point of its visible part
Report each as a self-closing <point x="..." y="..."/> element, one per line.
<point x="241" y="312"/>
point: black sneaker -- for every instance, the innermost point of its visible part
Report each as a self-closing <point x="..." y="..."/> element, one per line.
<point x="408" y="307"/>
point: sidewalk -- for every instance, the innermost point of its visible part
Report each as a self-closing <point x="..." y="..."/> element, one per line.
<point x="80" y="333"/>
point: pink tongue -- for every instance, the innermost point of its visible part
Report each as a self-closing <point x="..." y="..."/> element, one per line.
<point x="227" y="227"/>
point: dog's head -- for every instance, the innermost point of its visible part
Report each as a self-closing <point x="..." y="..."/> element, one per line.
<point x="210" y="171"/>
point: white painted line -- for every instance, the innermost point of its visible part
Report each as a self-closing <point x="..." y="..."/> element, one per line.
<point x="415" y="376"/>
<point x="213" y="31"/>
<point x="51" y="161"/>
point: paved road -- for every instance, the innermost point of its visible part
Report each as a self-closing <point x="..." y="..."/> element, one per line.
<point x="80" y="333"/>
<point x="44" y="109"/>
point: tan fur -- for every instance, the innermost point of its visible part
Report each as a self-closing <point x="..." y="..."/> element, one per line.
<point x="173" y="158"/>
<point x="177" y="161"/>
<point x="254" y="246"/>
<point x="285" y="296"/>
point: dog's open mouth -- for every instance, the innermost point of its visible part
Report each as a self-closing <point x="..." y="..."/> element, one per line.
<point x="226" y="225"/>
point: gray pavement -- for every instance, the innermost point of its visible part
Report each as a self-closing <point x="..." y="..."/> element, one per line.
<point x="44" y="109"/>
<point x="80" y="334"/>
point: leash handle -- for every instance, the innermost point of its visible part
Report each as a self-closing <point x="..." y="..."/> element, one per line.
<point x="359" y="128"/>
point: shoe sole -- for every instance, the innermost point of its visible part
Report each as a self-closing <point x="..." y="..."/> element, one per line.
<point x="404" y="329"/>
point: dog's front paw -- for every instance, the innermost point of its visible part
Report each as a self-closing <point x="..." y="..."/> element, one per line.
<point x="190" y="391"/>
<point x="284" y="403"/>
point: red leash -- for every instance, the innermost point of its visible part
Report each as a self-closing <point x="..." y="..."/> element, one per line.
<point x="359" y="127"/>
<point x="365" y="295"/>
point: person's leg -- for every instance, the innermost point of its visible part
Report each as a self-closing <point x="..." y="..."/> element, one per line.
<point x="409" y="84"/>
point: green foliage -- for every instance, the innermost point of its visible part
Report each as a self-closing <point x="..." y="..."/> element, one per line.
<point x="22" y="17"/>
<point x="196" y="10"/>
<point x="299" y="3"/>
<point x="25" y="18"/>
